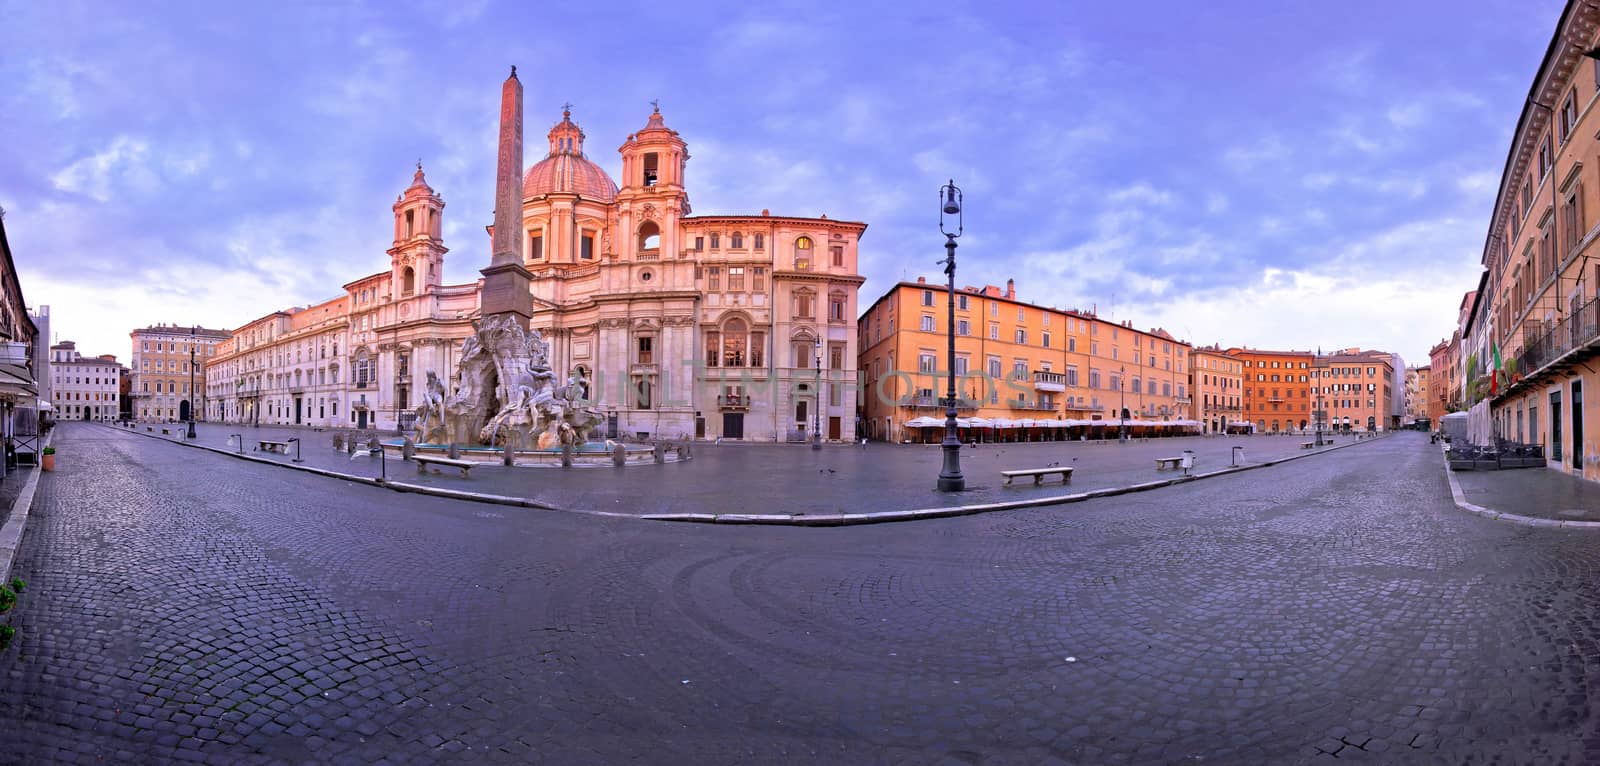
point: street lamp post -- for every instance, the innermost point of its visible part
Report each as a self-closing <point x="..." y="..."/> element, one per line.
<point x="192" y="397"/>
<point x="1319" y="377"/>
<point x="950" y="478"/>
<point x="1122" y="407"/>
<point x="816" y="414"/>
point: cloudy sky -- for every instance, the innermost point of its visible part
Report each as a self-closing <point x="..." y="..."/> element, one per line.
<point x="1272" y="173"/>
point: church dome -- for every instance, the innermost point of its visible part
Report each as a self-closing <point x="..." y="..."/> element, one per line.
<point x="566" y="170"/>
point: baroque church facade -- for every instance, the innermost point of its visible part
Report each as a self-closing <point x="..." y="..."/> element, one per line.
<point x="730" y="327"/>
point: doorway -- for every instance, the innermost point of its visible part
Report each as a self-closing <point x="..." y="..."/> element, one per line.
<point x="183" y="410"/>
<point x="298" y="406"/>
<point x="834" y="428"/>
<point x="1555" y="426"/>
<point x="699" y="427"/>
<point x="1577" y="424"/>
<point x="733" y="425"/>
<point x="361" y="419"/>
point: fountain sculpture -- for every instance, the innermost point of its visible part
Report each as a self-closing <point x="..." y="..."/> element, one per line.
<point x="505" y="395"/>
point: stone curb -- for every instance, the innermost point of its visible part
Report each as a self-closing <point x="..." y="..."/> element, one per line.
<point x="852" y="519"/>
<point x="11" y="534"/>
<point x="1460" y="499"/>
<point x="397" y="486"/>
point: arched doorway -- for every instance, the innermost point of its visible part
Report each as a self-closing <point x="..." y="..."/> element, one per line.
<point x="183" y="410"/>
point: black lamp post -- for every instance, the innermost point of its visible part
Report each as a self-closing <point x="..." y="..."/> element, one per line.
<point x="950" y="478"/>
<point x="816" y="412"/>
<point x="1122" y="392"/>
<point x="192" y="397"/>
<point x="1319" y="371"/>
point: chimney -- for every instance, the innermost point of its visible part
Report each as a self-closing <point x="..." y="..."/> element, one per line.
<point x="922" y="280"/>
<point x="1011" y="289"/>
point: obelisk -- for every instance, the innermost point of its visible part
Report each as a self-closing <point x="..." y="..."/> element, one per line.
<point x="506" y="281"/>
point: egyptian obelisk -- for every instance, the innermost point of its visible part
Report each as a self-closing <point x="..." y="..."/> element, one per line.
<point x="505" y="282"/>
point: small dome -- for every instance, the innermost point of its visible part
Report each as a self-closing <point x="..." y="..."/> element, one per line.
<point x="566" y="169"/>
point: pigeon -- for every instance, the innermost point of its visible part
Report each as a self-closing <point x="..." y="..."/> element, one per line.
<point x="830" y="470"/>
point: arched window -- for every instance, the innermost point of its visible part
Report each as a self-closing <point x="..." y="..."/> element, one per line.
<point x="408" y="281"/>
<point x="734" y="343"/>
<point x="649" y="236"/>
<point x="802" y="253"/>
<point x="736" y="240"/>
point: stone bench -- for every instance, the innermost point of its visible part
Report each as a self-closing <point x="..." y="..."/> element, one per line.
<point x="1307" y="445"/>
<point x="1163" y="463"/>
<point x="424" y="461"/>
<point x="267" y="445"/>
<point x="1039" y="474"/>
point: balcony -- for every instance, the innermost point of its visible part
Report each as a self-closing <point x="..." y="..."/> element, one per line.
<point x="1049" y="381"/>
<point x="734" y="401"/>
<point x="1022" y="404"/>
<point x="922" y="402"/>
<point x="1567" y="341"/>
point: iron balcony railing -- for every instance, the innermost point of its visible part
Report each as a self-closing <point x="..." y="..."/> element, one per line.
<point x="734" y="401"/>
<point x="919" y="401"/>
<point x="1547" y="343"/>
<point x="1017" y="404"/>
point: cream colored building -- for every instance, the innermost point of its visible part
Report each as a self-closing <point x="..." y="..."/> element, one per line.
<point x="161" y="370"/>
<point x="85" y="387"/>
<point x="1217" y="381"/>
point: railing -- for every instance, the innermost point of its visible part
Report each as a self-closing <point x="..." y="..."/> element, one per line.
<point x="1050" y="377"/>
<point x="1019" y="404"/>
<point x="935" y="403"/>
<point x="734" y="401"/>
<point x="1580" y="328"/>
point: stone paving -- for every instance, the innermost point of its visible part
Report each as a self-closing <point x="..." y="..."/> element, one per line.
<point x="752" y="478"/>
<point x="1536" y="492"/>
<point x="187" y="607"/>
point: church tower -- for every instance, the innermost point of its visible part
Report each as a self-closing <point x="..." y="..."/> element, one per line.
<point x="652" y="196"/>
<point x="416" y="261"/>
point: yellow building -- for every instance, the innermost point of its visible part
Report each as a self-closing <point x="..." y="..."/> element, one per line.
<point x="161" y="371"/>
<point x="1025" y="372"/>
<point x="1217" y="381"/>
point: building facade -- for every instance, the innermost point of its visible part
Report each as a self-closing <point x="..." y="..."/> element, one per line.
<point x="1277" y="389"/>
<point x="163" y="385"/>
<point x="19" y="358"/>
<point x="85" y="387"/>
<point x="1016" y="362"/>
<point x="1353" y="390"/>
<point x="1217" y="381"/>
<point x="712" y="326"/>
<point x="1417" y="393"/>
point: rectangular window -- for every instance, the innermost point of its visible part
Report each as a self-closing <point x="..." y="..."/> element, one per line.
<point x="699" y="243"/>
<point x="994" y="331"/>
<point x="838" y="255"/>
<point x="758" y="279"/>
<point x="736" y="241"/>
<point x="994" y="367"/>
<point x="927" y="323"/>
<point x="586" y="249"/>
<point x="925" y="363"/>
<point x="646" y="344"/>
<point x="1019" y="370"/>
<point x="963" y="327"/>
<point x="761" y="240"/>
<point x="1072" y="375"/>
<point x="716" y="242"/>
<point x="961" y="366"/>
<point x="836" y="309"/>
<point x="535" y="248"/>
<point x="1094" y="378"/>
<point x="927" y="297"/>
<point x="961" y="302"/>
<point x="1022" y="316"/>
<point x="736" y="278"/>
<point x="1022" y="336"/>
<point x="714" y="279"/>
<point x="1046" y="340"/>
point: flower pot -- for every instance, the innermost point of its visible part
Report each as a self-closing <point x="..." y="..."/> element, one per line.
<point x="47" y="462"/>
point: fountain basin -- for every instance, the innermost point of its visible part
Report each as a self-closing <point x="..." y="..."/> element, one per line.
<point x="588" y="454"/>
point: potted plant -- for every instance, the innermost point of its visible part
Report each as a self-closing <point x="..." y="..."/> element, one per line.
<point x="47" y="459"/>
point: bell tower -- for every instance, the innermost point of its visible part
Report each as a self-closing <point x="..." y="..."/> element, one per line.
<point x="416" y="261"/>
<point x="652" y="197"/>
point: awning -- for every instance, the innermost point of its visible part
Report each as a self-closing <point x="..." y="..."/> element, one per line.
<point x="16" y="380"/>
<point x="45" y="406"/>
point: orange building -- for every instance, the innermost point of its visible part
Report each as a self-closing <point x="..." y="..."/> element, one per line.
<point x="1217" y="381"/>
<point x="1354" y="388"/>
<point x="1024" y="371"/>
<point x="1277" y="389"/>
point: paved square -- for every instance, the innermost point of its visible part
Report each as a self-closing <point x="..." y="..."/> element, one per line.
<point x="185" y="606"/>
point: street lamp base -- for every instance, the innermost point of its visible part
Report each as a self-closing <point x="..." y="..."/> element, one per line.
<point x="952" y="484"/>
<point x="191" y="429"/>
<point x="950" y="478"/>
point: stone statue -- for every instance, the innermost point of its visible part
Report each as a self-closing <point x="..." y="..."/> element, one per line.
<point x="431" y="423"/>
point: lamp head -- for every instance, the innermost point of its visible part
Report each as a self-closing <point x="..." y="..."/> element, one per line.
<point x="950" y="205"/>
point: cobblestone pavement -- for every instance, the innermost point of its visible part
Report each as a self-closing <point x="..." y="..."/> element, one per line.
<point x="752" y="478"/>
<point x="1538" y="492"/>
<point x="184" y="606"/>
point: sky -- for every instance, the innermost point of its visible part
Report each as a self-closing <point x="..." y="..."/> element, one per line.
<point x="1275" y="174"/>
